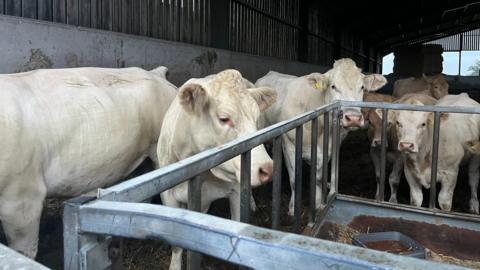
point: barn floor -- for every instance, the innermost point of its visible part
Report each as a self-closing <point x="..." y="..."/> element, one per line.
<point x="356" y="178"/>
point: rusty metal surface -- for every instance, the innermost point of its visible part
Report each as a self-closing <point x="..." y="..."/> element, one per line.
<point x="457" y="242"/>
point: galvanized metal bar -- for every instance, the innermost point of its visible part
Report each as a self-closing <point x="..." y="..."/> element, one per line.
<point x="245" y="187"/>
<point x="313" y="171"/>
<point x="298" y="179"/>
<point x="150" y="184"/>
<point x="335" y="153"/>
<point x="235" y="242"/>
<point x="194" y="259"/>
<point x="326" y="135"/>
<point x="433" y="178"/>
<point x="14" y="260"/>
<point x="277" y="181"/>
<point x="398" y="106"/>
<point x="383" y="156"/>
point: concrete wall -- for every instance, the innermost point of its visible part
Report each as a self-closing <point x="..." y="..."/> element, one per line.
<point x="29" y="44"/>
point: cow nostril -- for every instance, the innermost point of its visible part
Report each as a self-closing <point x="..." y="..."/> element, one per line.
<point x="347" y="117"/>
<point x="265" y="172"/>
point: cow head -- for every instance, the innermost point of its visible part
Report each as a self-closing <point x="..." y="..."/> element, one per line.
<point x="413" y="128"/>
<point x="375" y="127"/>
<point x="437" y="85"/>
<point x="346" y="82"/>
<point x="224" y="109"/>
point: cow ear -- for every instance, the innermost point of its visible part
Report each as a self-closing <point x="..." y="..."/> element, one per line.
<point x="390" y="115"/>
<point x="264" y="96"/>
<point x="443" y="116"/>
<point x="317" y="81"/>
<point x="193" y="98"/>
<point x="374" y="82"/>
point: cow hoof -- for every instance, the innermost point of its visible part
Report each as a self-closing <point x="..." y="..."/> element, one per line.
<point x="393" y="200"/>
<point x="474" y="208"/>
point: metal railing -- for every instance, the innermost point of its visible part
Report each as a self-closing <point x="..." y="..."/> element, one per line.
<point x="89" y="223"/>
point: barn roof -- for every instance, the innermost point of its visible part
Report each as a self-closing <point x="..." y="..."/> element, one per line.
<point x="388" y="24"/>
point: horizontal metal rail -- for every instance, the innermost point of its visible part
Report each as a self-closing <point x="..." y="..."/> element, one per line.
<point x="10" y="259"/>
<point x="145" y="186"/>
<point x="408" y="107"/>
<point x="235" y="242"/>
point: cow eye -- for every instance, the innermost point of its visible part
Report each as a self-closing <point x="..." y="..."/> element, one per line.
<point x="423" y="124"/>
<point x="226" y="121"/>
<point x="398" y="123"/>
<point x="333" y="86"/>
<point x="363" y="87"/>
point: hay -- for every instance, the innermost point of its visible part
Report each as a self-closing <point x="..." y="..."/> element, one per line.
<point x="344" y="234"/>
<point x="433" y="256"/>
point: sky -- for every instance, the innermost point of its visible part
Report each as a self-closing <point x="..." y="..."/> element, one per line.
<point x="450" y="62"/>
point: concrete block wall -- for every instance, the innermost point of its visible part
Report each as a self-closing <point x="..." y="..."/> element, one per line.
<point x="30" y="44"/>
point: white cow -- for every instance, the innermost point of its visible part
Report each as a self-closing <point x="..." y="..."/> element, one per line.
<point x="297" y="95"/>
<point x="206" y="113"/>
<point x="415" y="137"/>
<point x="70" y="131"/>
<point x="435" y="86"/>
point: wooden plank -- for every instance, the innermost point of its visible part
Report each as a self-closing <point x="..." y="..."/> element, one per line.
<point x="143" y="17"/>
<point x="72" y="12"/>
<point x="29" y="8"/>
<point x="59" y="11"/>
<point x="2" y="6"/>
<point x="106" y="14"/>
<point x="45" y="10"/>
<point x="13" y="7"/>
<point x="85" y="11"/>
<point x="115" y="5"/>
<point x="136" y="17"/>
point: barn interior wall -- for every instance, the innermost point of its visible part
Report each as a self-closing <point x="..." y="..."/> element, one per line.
<point x="295" y="30"/>
<point x="31" y="44"/>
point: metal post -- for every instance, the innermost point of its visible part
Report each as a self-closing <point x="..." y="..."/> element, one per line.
<point x="326" y="134"/>
<point x="245" y="190"/>
<point x="313" y="171"/>
<point x="298" y="179"/>
<point x="335" y="142"/>
<point x="383" y="156"/>
<point x="82" y="251"/>
<point x="433" y="182"/>
<point x="194" y="259"/>
<point x="277" y="181"/>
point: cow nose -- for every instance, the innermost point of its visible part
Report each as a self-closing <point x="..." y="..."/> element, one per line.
<point x="352" y="120"/>
<point x="265" y="172"/>
<point x="405" y="146"/>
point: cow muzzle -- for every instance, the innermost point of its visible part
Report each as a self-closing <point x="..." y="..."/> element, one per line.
<point x="265" y="172"/>
<point x="407" y="147"/>
<point x="352" y="119"/>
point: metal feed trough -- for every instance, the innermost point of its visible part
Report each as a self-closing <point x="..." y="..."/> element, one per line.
<point x="90" y="222"/>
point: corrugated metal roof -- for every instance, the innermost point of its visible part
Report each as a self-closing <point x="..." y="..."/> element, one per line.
<point x="466" y="41"/>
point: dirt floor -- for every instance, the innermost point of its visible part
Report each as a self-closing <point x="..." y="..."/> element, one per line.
<point x="356" y="178"/>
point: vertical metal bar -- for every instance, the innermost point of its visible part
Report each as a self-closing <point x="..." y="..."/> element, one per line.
<point x="194" y="259"/>
<point x="298" y="179"/>
<point x="277" y="181"/>
<point x="245" y="189"/>
<point x="383" y="156"/>
<point x="72" y="240"/>
<point x="326" y="135"/>
<point x="335" y="142"/>
<point x="313" y="170"/>
<point x="433" y="183"/>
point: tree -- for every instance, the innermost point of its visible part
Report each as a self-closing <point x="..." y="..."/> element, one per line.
<point x="474" y="69"/>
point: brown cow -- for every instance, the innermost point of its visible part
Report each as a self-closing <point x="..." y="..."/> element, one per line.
<point x="435" y="86"/>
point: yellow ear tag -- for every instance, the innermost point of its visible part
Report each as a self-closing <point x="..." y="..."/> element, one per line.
<point x="318" y="86"/>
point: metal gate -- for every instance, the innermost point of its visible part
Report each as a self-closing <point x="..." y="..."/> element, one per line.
<point x="89" y="222"/>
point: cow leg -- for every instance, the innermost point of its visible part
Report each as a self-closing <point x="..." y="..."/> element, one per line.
<point x="152" y="154"/>
<point x="319" y="177"/>
<point x="168" y="199"/>
<point x="445" y="196"/>
<point x="20" y="211"/>
<point x="375" y="156"/>
<point x="289" y="155"/>
<point x="394" y="179"/>
<point x="473" y="177"/>
<point x="416" y="195"/>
